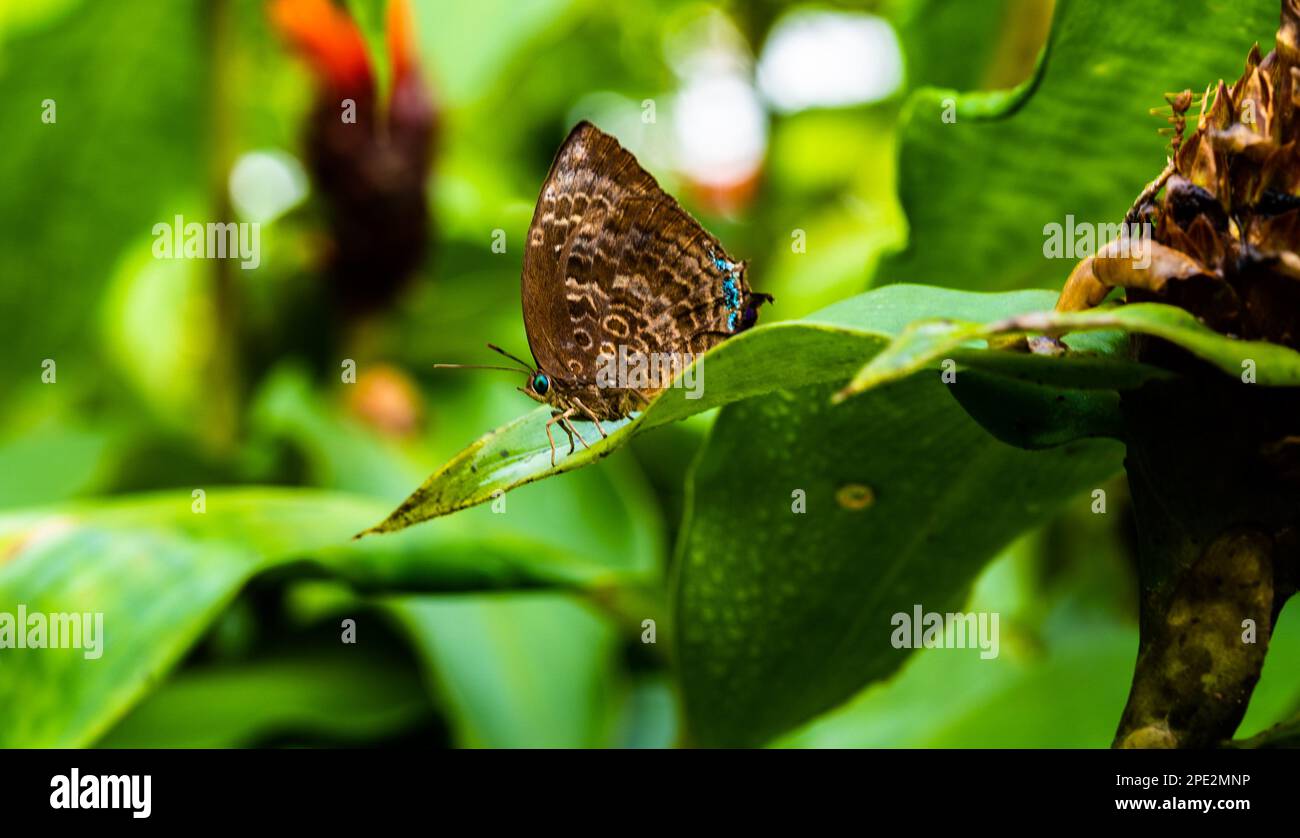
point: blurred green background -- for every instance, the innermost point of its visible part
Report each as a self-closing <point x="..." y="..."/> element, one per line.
<point x="771" y="120"/>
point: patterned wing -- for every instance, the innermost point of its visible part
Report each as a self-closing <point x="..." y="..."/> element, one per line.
<point x="614" y="261"/>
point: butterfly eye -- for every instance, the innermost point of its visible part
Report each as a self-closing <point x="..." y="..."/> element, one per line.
<point x="541" y="384"/>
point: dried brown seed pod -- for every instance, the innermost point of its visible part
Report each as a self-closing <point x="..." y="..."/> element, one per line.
<point x="1225" y="212"/>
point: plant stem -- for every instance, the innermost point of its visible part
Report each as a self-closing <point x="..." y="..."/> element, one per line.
<point x="1214" y="468"/>
<point x="224" y="365"/>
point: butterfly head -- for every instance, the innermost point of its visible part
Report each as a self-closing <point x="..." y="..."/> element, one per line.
<point x="538" y="386"/>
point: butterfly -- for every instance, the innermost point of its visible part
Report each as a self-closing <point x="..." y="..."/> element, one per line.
<point x="614" y="267"/>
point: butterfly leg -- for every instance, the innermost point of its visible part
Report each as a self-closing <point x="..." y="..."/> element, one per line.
<point x="590" y="414"/>
<point x="573" y="431"/>
<point x="564" y="423"/>
<point x="563" y="419"/>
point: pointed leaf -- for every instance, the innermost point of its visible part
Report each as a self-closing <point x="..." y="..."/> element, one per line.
<point x="825" y="347"/>
<point x="927" y="343"/>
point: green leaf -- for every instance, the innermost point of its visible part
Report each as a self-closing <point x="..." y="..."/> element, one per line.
<point x="1067" y="637"/>
<point x="1032" y="415"/>
<point x="469" y="46"/>
<point x="824" y="347"/>
<point x="1277" y="695"/>
<point x="1275" y="365"/>
<point x="1285" y="735"/>
<point x="160" y="574"/>
<point x="781" y="614"/>
<point x="346" y="695"/>
<point x="925" y="343"/>
<point x="50" y="457"/>
<point x="605" y="513"/>
<point x="928" y="29"/>
<point x="371" y="18"/>
<point x="127" y="145"/>
<point x="1066" y="696"/>
<point x="519" y="671"/>
<point x="1075" y="140"/>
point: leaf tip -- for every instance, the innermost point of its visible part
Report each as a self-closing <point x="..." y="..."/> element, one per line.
<point x="377" y="529"/>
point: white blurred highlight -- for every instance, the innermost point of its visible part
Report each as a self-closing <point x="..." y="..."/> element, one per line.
<point x="821" y="59"/>
<point x="264" y="185"/>
<point x="718" y="120"/>
<point x="720" y="128"/>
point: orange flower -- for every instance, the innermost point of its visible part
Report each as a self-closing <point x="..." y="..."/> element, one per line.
<point x="329" y="39"/>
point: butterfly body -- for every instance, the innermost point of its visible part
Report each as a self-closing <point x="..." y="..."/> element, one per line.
<point x="615" y="268"/>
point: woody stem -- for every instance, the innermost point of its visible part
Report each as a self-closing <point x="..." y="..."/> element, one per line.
<point x="1214" y="468"/>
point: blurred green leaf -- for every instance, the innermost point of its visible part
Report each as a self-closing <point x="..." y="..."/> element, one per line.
<point x="339" y="452"/>
<point x="160" y="574"/>
<point x="1077" y="139"/>
<point x="469" y="44"/>
<point x="1068" y="637"/>
<point x="780" y="614"/>
<point x="50" y="458"/>
<point x="159" y="331"/>
<point x="1067" y="695"/>
<point x="1068" y="699"/>
<point x="518" y="671"/>
<point x="832" y="192"/>
<point x="952" y="44"/>
<point x="1284" y="735"/>
<point x="128" y="84"/>
<point x="371" y="19"/>
<point x="345" y="695"/>
<point x="1277" y="695"/>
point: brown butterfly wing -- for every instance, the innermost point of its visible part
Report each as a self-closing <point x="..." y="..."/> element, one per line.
<point x="612" y="259"/>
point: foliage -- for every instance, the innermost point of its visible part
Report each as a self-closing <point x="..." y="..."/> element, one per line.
<point x="522" y="618"/>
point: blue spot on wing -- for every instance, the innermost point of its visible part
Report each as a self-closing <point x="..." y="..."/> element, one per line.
<point x="730" y="293"/>
<point x="730" y="288"/>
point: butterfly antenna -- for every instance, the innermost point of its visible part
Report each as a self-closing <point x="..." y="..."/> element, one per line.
<point x="527" y="366"/>
<point x="476" y="367"/>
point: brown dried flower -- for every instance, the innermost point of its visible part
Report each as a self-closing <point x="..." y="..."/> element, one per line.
<point x="1225" y="212"/>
